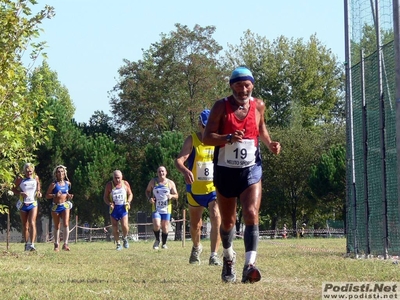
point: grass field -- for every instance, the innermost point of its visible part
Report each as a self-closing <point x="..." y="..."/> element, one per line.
<point x="291" y="269"/>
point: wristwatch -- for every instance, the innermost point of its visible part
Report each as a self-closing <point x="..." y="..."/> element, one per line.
<point x="229" y="138"/>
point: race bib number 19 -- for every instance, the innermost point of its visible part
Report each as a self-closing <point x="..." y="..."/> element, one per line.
<point x="240" y="154"/>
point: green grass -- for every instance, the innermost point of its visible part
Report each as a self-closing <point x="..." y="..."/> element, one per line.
<point x="291" y="269"/>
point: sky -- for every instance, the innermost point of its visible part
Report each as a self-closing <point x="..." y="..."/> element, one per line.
<point x="88" y="40"/>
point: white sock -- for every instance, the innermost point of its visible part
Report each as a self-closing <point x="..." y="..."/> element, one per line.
<point x="213" y="254"/>
<point x="250" y="257"/>
<point x="228" y="253"/>
<point x="66" y="235"/>
<point x="57" y="237"/>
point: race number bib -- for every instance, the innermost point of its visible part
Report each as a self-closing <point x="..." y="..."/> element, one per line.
<point x="119" y="196"/>
<point x="240" y="154"/>
<point x="205" y="171"/>
<point x="162" y="204"/>
<point x="161" y="194"/>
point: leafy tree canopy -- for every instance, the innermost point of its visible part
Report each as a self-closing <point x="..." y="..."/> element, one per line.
<point x="328" y="180"/>
<point x="165" y="91"/>
<point x="293" y="74"/>
<point x="286" y="176"/>
<point x="22" y="127"/>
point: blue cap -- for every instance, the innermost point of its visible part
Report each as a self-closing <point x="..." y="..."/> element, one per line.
<point x="241" y="74"/>
<point x="204" y="116"/>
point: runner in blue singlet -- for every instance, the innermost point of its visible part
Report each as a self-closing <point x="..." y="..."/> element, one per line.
<point x="58" y="191"/>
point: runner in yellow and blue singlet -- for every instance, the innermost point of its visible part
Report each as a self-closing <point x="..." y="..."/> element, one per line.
<point x="195" y="162"/>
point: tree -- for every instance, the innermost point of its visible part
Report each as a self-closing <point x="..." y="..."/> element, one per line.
<point x="177" y="78"/>
<point x="368" y="42"/>
<point x="328" y="182"/>
<point x="286" y="176"/>
<point x="57" y="111"/>
<point x="56" y="114"/>
<point x="293" y="75"/>
<point x="99" y="122"/>
<point x="99" y="157"/>
<point x="19" y="135"/>
<point x="302" y="86"/>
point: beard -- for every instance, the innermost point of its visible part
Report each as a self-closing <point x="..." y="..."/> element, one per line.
<point x="240" y="99"/>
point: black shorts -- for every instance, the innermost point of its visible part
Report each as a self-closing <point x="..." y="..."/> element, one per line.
<point x="231" y="182"/>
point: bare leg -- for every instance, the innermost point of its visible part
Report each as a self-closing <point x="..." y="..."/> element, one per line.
<point x="66" y="225"/>
<point x="32" y="224"/>
<point x="115" y="229"/>
<point x="56" y="221"/>
<point x="125" y="226"/>
<point x="25" y="226"/>
<point x="215" y="219"/>
<point x="196" y="214"/>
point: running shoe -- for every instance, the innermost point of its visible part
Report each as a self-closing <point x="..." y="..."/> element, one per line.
<point x="65" y="247"/>
<point x="250" y="274"/>
<point x="228" y="269"/>
<point x="26" y="247"/>
<point x="195" y="255"/>
<point x="119" y="247"/>
<point x="56" y="247"/>
<point x="125" y="243"/>
<point x="31" y="248"/>
<point x="164" y="246"/>
<point x="156" y="245"/>
<point x="214" y="261"/>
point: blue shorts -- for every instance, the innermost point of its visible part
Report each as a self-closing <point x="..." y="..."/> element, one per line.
<point x="119" y="212"/>
<point x="60" y="207"/>
<point x="200" y="200"/>
<point x="231" y="182"/>
<point x="164" y="217"/>
<point x="26" y="207"/>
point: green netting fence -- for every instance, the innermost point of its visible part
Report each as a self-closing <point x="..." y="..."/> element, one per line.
<point x="372" y="214"/>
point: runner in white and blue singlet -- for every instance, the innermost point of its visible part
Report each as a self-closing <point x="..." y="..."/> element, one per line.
<point x="27" y="188"/>
<point x="118" y="195"/>
<point x="160" y="191"/>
